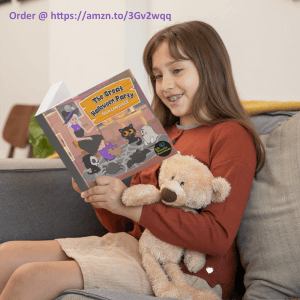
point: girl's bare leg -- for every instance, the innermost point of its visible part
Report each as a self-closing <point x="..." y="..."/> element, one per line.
<point x="36" y="267"/>
<point x="43" y="280"/>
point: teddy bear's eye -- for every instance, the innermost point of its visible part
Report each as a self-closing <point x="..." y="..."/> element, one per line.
<point x="172" y="177"/>
<point x="182" y="183"/>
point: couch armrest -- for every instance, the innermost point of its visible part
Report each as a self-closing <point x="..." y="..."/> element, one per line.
<point x="37" y="202"/>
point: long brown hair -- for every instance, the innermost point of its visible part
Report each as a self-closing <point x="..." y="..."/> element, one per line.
<point x="217" y="92"/>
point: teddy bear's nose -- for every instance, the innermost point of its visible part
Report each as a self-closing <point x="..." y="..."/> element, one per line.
<point x="168" y="195"/>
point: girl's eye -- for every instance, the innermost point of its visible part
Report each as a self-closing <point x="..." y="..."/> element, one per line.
<point x="157" y="77"/>
<point x="177" y="71"/>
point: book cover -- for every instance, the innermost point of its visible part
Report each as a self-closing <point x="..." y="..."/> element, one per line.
<point x="109" y="129"/>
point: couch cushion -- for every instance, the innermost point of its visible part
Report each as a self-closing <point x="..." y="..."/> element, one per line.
<point x="265" y="123"/>
<point x="37" y="202"/>
<point x="31" y="164"/>
<point x="269" y="235"/>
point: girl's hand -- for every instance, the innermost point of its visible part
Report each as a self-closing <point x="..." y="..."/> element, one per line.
<point x="89" y="138"/>
<point x="75" y="186"/>
<point x="107" y="194"/>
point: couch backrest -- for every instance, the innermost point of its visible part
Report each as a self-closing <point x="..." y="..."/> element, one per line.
<point x="268" y="237"/>
<point x="37" y="202"/>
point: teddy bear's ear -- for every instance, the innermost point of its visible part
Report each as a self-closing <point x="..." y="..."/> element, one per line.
<point x="221" y="189"/>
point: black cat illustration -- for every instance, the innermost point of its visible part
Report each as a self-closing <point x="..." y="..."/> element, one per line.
<point x="128" y="133"/>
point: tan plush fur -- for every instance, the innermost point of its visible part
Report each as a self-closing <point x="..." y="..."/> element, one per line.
<point x="186" y="183"/>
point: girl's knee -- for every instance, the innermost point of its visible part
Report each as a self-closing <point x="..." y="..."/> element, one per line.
<point x="8" y="246"/>
<point x="53" y="277"/>
<point x="9" y="262"/>
<point x="7" y="251"/>
<point x="32" y="281"/>
<point x="26" y="272"/>
<point x="29" y="273"/>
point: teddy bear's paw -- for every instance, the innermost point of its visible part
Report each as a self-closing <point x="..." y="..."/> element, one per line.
<point x="194" y="260"/>
<point x="140" y="194"/>
<point x="175" y="292"/>
<point x="205" y="295"/>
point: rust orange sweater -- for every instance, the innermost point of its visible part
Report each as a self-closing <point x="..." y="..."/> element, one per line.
<point x="228" y="150"/>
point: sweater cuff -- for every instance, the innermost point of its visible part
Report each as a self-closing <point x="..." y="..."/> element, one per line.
<point x="148" y="212"/>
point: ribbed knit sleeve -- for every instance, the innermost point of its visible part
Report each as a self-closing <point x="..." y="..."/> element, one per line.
<point x="112" y="222"/>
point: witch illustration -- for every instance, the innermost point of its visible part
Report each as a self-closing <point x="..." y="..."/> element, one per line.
<point x="87" y="143"/>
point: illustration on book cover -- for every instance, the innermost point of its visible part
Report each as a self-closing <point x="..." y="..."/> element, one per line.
<point x="110" y="130"/>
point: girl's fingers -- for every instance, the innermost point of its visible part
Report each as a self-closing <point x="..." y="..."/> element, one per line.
<point x="96" y="203"/>
<point x="95" y="198"/>
<point x="75" y="186"/>
<point x="106" y="194"/>
<point x="104" y="180"/>
<point x="96" y="190"/>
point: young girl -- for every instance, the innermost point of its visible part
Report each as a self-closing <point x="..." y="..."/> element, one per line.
<point x="196" y="101"/>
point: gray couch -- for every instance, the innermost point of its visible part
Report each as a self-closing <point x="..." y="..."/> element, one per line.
<point x="37" y="202"/>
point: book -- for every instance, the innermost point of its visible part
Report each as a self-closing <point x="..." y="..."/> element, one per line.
<point x="109" y="129"/>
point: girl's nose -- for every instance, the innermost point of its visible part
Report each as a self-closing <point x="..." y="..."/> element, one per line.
<point x="167" y="83"/>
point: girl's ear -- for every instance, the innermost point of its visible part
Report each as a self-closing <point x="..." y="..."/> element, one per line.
<point x="221" y="189"/>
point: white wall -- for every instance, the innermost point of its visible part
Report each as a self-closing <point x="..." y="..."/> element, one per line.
<point x="84" y="52"/>
<point x="24" y="60"/>
<point x="261" y="37"/>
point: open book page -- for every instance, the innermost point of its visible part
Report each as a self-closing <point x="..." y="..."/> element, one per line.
<point x="57" y="93"/>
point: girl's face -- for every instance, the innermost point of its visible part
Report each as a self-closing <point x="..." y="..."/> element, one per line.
<point x="177" y="82"/>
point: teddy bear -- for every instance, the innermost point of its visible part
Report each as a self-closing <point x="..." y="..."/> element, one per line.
<point x="184" y="183"/>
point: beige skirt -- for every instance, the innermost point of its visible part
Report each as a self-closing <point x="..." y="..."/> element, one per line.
<point x="114" y="262"/>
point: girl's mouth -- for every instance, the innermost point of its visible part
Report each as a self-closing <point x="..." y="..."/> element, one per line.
<point x="174" y="98"/>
